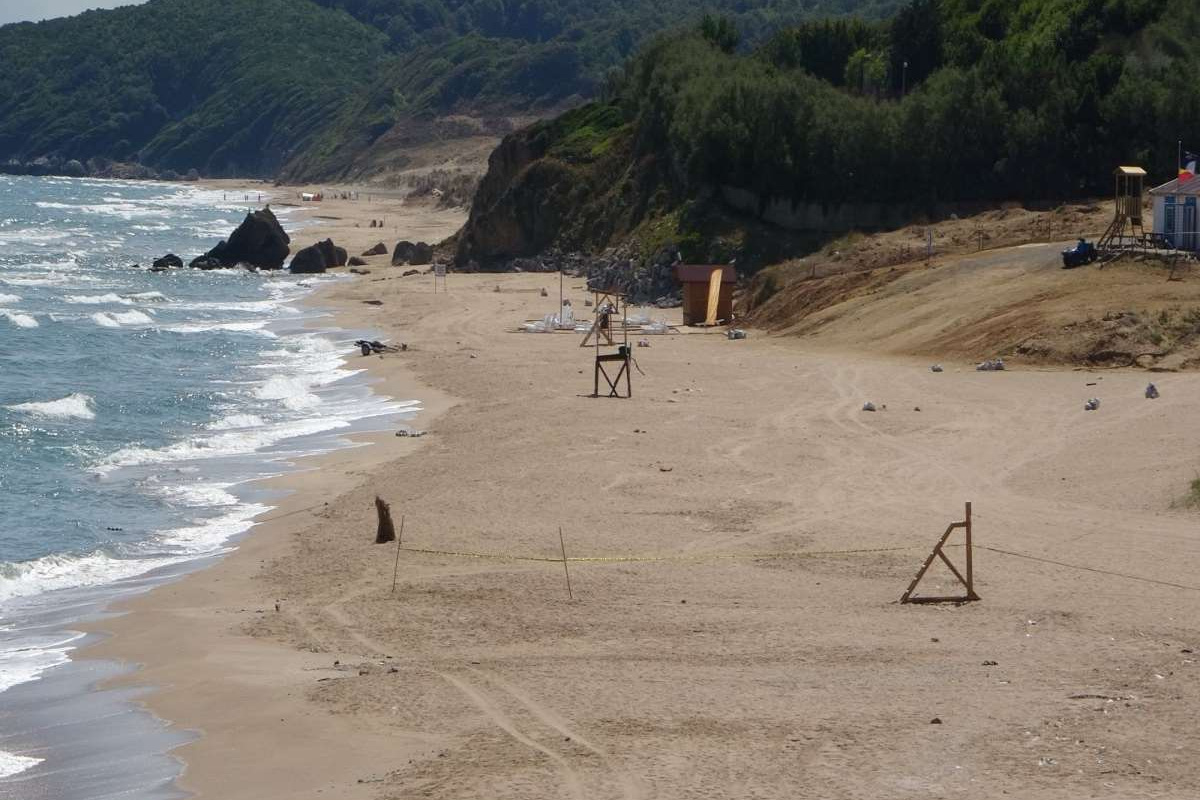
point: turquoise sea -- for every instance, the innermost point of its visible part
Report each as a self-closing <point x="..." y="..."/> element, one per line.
<point x="136" y="410"/>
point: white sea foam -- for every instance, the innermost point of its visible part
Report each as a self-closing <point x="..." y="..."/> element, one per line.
<point x="201" y="495"/>
<point x="19" y="319"/>
<point x="34" y="656"/>
<point x="147" y="297"/>
<point x="9" y="298"/>
<point x="12" y="764"/>
<point x="236" y="421"/>
<point x="120" y="319"/>
<point x="232" y="327"/>
<point x="76" y="406"/>
<point x="217" y="445"/>
<point x="98" y="299"/>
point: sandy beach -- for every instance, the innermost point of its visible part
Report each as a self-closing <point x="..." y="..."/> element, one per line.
<point x="741" y="531"/>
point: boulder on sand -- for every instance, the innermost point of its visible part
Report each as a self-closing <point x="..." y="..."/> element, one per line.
<point x="407" y="253"/>
<point x="378" y="250"/>
<point x="259" y="241"/>
<point x="356" y="262"/>
<point x="309" y="260"/>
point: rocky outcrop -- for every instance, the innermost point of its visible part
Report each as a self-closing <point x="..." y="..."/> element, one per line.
<point x="319" y="257"/>
<point x="206" y="263"/>
<point x="259" y="241"/>
<point x="410" y="254"/>
<point x="378" y="250"/>
<point x="169" y="261"/>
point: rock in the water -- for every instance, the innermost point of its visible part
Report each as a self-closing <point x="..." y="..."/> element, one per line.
<point x="206" y="263"/>
<point x="260" y="241"/>
<point x="407" y="253"/>
<point x="355" y="261"/>
<point x="309" y="260"/>
<point x="378" y="250"/>
<point x="169" y="261"/>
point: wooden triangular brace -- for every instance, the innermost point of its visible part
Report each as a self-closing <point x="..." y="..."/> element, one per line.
<point x="967" y="580"/>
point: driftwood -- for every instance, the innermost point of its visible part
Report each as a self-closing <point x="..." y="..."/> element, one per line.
<point x="386" y="531"/>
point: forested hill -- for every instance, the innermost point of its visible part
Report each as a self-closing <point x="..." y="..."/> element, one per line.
<point x="299" y="88"/>
<point x="949" y="102"/>
<point x="227" y="87"/>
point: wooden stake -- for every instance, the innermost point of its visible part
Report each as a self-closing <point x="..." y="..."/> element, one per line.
<point x="562" y="543"/>
<point x="399" y="547"/>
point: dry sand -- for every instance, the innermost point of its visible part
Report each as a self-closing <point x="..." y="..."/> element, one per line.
<point x="758" y="650"/>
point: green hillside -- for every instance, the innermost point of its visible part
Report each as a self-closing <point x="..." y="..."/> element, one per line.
<point x="224" y="86"/>
<point x="1000" y="100"/>
<point x="249" y="87"/>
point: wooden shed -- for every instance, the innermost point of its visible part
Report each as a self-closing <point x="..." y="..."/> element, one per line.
<point x="700" y="293"/>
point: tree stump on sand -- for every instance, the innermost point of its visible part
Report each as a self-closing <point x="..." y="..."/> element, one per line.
<point x="387" y="531"/>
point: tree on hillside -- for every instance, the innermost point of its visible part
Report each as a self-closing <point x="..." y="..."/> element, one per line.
<point x="721" y="32"/>
<point x="916" y="44"/>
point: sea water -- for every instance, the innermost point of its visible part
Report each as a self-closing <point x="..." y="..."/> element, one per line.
<point x="136" y="410"/>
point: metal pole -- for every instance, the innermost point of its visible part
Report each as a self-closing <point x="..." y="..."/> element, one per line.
<point x="970" y="567"/>
<point x="399" y="546"/>
<point x="562" y="543"/>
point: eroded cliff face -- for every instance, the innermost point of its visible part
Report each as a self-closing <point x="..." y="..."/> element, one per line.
<point x="568" y="184"/>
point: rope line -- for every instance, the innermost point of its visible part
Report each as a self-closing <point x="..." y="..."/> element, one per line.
<point x="1090" y="569"/>
<point x="652" y="559"/>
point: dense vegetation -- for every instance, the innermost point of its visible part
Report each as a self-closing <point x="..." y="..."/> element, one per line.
<point x="224" y="86"/>
<point x="250" y="86"/>
<point x="953" y="100"/>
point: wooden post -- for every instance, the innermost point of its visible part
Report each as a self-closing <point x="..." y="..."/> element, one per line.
<point x="562" y="543"/>
<point x="399" y="546"/>
<point x="386" y="532"/>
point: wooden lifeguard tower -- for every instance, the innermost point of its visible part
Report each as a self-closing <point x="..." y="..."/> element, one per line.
<point x="1126" y="231"/>
<point x="610" y="305"/>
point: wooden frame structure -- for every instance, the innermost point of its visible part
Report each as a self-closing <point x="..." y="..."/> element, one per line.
<point x="967" y="581"/>
<point x="608" y="304"/>
<point x="1126" y="232"/>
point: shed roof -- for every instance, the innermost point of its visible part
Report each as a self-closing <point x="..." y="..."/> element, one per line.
<point x="1130" y="171"/>
<point x="702" y="273"/>
<point x="1189" y="188"/>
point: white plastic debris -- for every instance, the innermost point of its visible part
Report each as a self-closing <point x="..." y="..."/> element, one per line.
<point x="736" y="333"/>
<point x="936" y="368"/>
<point x="1092" y="405"/>
<point x="991" y="365"/>
<point x="868" y="406"/>
<point x="643" y="342"/>
<point x="1152" y="392"/>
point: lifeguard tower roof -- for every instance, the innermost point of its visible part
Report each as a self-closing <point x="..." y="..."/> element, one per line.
<point x="1130" y="171"/>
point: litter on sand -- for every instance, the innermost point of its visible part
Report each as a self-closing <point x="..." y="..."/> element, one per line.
<point x="1152" y="392"/>
<point x="1092" y="405"/>
<point x="991" y="365"/>
<point x="643" y="342"/>
<point x="377" y="347"/>
<point x="936" y="368"/>
<point x="868" y="406"/>
<point x="736" y="333"/>
<point x="409" y="434"/>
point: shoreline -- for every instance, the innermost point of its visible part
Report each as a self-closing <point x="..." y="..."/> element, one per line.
<point x="137" y="633"/>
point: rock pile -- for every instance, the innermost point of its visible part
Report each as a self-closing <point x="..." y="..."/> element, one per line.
<point x="319" y="257"/>
<point x="410" y="254"/>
